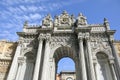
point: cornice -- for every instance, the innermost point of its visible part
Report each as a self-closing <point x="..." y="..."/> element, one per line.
<point x="45" y="30"/>
<point x="24" y="33"/>
<point x="83" y="29"/>
<point x="110" y="32"/>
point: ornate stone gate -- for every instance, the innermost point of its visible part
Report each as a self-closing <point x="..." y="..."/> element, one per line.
<point x="89" y="45"/>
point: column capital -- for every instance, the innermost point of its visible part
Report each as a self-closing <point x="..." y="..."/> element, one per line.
<point x="80" y="36"/>
<point x="21" y="60"/>
<point x="41" y="37"/>
<point x="87" y="36"/>
<point x="111" y="60"/>
<point x="48" y="37"/>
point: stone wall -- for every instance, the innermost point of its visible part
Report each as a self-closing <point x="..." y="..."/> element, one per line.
<point x="117" y="45"/>
<point x="7" y="50"/>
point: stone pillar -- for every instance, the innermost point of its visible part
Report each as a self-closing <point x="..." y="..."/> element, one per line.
<point x="19" y="71"/>
<point x="113" y="70"/>
<point x="45" y="71"/>
<point x="95" y="67"/>
<point x="21" y="62"/>
<point x="82" y="57"/>
<point x="14" y="65"/>
<point x="117" y="64"/>
<point x="92" y="71"/>
<point x="38" y="60"/>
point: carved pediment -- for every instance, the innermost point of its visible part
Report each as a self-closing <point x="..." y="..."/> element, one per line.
<point x="64" y="20"/>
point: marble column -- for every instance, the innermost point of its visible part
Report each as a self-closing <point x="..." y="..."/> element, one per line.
<point x="82" y="59"/>
<point x="95" y="69"/>
<point x="14" y="65"/>
<point x="113" y="70"/>
<point x="45" y="71"/>
<point x="19" y="71"/>
<point x="92" y="71"/>
<point x="38" y="60"/>
<point x="117" y="64"/>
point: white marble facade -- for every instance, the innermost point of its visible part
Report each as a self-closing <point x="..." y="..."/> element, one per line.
<point x="42" y="46"/>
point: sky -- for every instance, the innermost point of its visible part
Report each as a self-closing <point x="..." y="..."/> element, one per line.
<point x="13" y="14"/>
<point x="65" y="64"/>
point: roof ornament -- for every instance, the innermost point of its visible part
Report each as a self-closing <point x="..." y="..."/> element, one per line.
<point x="56" y="21"/>
<point x="64" y="12"/>
<point x="81" y="20"/>
<point x="106" y="23"/>
<point x="47" y="21"/>
<point x="25" y="24"/>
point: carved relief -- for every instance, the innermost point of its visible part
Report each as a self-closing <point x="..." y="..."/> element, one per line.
<point x="4" y="68"/>
<point x="62" y="40"/>
<point x="98" y="36"/>
<point x="64" y="20"/>
<point x="7" y="48"/>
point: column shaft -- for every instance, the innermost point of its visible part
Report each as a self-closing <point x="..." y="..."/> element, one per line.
<point x="45" y="72"/>
<point x="82" y="58"/>
<point x="19" y="71"/>
<point x="113" y="71"/>
<point x="14" y="65"/>
<point x="117" y="64"/>
<point x="38" y="60"/>
<point x="92" y="71"/>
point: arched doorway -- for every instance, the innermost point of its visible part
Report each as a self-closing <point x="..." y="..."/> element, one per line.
<point x="65" y="52"/>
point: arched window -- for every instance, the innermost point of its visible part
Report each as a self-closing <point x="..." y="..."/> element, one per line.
<point x="103" y="69"/>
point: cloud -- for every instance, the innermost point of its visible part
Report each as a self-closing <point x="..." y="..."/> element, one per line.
<point x="14" y="12"/>
<point x="35" y="16"/>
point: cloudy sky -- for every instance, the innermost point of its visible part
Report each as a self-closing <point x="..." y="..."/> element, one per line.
<point x="13" y="13"/>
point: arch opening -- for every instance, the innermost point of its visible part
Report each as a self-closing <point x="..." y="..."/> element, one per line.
<point x="65" y="63"/>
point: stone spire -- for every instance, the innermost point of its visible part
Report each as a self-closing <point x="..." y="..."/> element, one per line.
<point x="106" y="23"/>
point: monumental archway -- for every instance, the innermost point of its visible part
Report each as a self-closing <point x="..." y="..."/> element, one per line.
<point x="66" y="36"/>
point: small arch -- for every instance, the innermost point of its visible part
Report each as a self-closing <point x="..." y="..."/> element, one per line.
<point x="29" y="56"/>
<point x="103" y="51"/>
<point x="101" y="55"/>
<point x="103" y="68"/>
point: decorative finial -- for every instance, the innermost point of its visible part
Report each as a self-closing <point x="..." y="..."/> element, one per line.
<point x="80" y="14"/>
<point x="64" y="12"/>
<point x="106" y="23"/>
<point x="25" y="24"/>
<point x="105" y="20"/>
